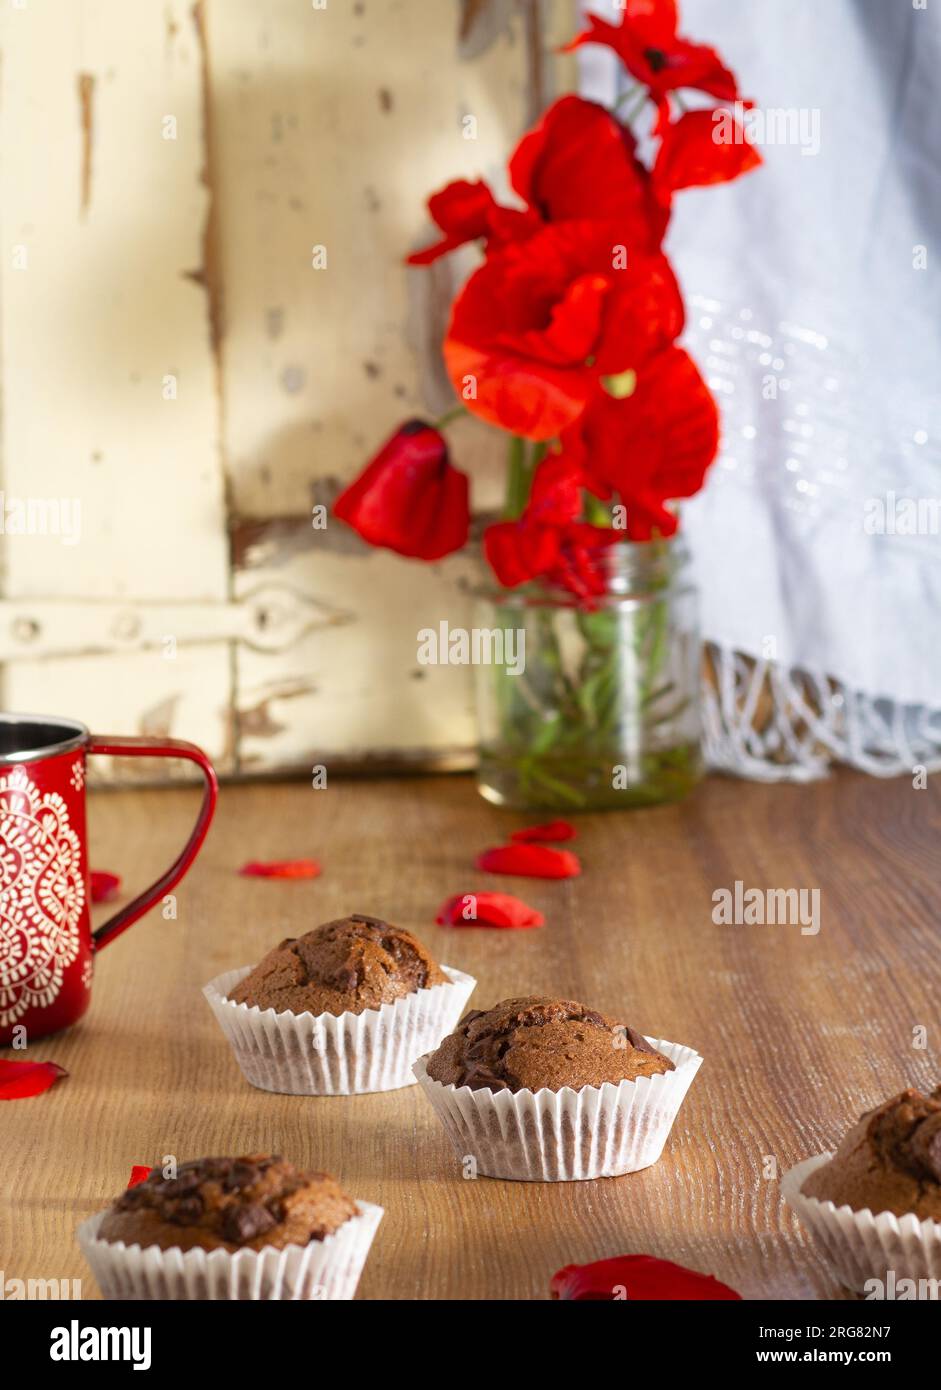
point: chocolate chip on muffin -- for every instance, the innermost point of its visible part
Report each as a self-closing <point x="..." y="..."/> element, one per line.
<point x="246" y="1203"/>
<point x="532" y="1044"/>
<point x="347" y="966"/>
<point x="889" y="1161"/>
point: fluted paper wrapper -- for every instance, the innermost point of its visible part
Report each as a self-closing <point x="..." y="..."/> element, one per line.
<point x="864" y="1246"/>
<point x="558" y="1136"/>
<point x="338" y="1054"/>
<point x="324" y="1270"/>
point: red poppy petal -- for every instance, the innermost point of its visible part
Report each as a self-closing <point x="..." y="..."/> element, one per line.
<point x="647" y="44"/>
<point x="573" y="327"/>
<point x="696" y="65"/>
<point x="637" y="1278"/>
<point x="541" y="320"/>
<point x="488" y="910"/>
<point x="599" y="31"/>
<point x="548" y="540"/>
<point x="703" y="147"/>
<point x="579" y="161"/>
<point x="549" y="830"/>
<point x="581" y="569"/>
<point x="529" y="861"/>
<point x="21" y="1079"/>
<point x="450" y="526"/>
<point x="462" y="210"/>
<point x="104" y="886"/>
<point x="644" y="25"/>
<point x="555" y="496"/>
<point x="645" y="315"/>
<point x="656" y="20"/>
<point x="429" y="254"/>
<point x="529" y="398"/>
<point x="409" y="498"/>
<point x="139" y="1173"/>
<point x="518" y="551"/>
<point x="280" y="868"/>
<point x="655" y="445"/>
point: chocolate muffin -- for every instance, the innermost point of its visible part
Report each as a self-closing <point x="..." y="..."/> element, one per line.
<point x="889" y="1161"/>
<point x="532" y="1044"/>
<point x="346" y="966"/>
<point x="247" y="1203"/>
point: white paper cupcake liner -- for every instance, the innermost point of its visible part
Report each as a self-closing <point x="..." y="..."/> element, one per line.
<point x="870" y="1253"/>
<point x="338" y="1055"/>
<point x="326" y="1270"/>
<point x="558" y="1136"/>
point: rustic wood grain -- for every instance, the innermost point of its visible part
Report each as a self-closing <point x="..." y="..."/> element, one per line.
<point x="799" y="1033"/>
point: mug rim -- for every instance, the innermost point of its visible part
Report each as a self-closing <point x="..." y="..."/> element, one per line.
<point x="75" y="733"/>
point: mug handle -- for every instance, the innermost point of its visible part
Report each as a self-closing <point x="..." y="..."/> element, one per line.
<point x="157" y="748"/>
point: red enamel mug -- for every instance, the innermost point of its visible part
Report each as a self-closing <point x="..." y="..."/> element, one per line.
<point x="47" y="945"/>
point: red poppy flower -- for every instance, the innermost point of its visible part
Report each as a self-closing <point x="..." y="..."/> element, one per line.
<point x="652" y="446"/>
<point x="638" y="1278"/>
<point x="518" y="551"/>
<point x="535" y="326"/>
<point x="555" y="496"/>
<point x="488" y="910"/>
<point x="462" y="211"/>
<point x="281" y="868"/>
<point x="469" y="212"/>
<point x="530" y="861"/>
<point x="647" y="43"/>
<point x="568" y="556"/>
<point x="548" y="541"/>
<point x="581" y="569"/>
<point x="549" y="830"/>
<point x="579" y="162"/>
<point x="139" y="1173"/>
<point x="555" y="504"/>
<point x="19" y="1080"/>
<point x="409" y="498"/>
<point x="703" y="147"/>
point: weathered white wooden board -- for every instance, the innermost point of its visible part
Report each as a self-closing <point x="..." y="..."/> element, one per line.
<point x="354" y="689"/>
<point x="331" y="127"/>
<point x="172" y="359"/>
<point x="108" y="374"/>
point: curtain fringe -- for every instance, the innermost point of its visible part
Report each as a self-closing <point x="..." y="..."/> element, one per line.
<point x="771" y="724"/>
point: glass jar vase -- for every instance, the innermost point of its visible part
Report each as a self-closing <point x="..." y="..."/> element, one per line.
<point x="600" y="707"/>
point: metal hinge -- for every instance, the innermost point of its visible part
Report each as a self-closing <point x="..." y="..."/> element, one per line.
<point x="269" y="619"/>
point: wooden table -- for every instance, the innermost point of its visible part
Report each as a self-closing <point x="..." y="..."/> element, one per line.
<point x="799" y="1032"/>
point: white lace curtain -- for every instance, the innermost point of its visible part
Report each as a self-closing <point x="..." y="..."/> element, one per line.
<point x="814" y="308"/>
